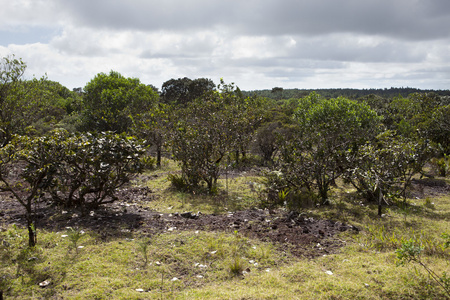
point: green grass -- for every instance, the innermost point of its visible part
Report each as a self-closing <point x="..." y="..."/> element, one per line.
<point x="210" y="265"/>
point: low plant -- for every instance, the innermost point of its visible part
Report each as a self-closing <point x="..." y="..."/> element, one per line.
<point x="410" y="251"/>
<point x="237" y="264"/>
<point x="74" y="237"/>
<point x="443" y="165"/>
<point x="142" y="247"/>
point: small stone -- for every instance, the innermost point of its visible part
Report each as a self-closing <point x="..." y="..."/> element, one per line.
<point x="44" y="283"/>
<point x="199" y="276"/>
<point x="329" y="272"/>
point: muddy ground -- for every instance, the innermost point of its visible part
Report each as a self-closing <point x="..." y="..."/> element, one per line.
<point x="300" y="234"/>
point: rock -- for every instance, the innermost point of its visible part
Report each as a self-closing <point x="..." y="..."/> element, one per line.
<point x="44" y="283"/>
<point x="189" y="215"/>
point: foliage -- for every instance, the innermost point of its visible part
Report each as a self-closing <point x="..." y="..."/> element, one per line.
<point x="92" y="167"/>
<point x="438" y="128"/>
<point x="38" y="102"/>
<point x="209" y="128"/>
<point x="200" y="141"/>
<point x="410" y="251"/>
<point x="386" y="165"/>
<point x="184" y="90"/>
<point x="154" y="127"/>
<point x="110" y="99"/>
<point x="25" y="175"/>
<point x="74" y="236"/>
<point x="328" y="136"/>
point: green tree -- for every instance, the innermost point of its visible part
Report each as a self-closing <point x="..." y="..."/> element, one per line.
<point x="91" y="167"/>
<point x="154" y="127"/>
<point x="384" y="167"/>
<point x="25" y="166"/>
<point x="207" y="130"/>
<point x="329" y="134"/>
<point x="200" y="140"/>
<point x="12" y="98"/>
<point x="110" y="99"/>
<point x="184" y="90"/>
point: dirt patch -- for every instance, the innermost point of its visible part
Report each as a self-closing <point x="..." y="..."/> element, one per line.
<point x="297" y="233"/>
<point x="300" y="234"/>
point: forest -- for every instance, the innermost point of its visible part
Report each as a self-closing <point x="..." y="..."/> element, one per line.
<point x="198" y="190"/>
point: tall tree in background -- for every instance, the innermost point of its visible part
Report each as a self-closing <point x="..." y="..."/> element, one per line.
<point x="184" y="90"/>
<point x="110" y="99"/>
<point x="11" y="96"/>
<point x="28" y="106"/>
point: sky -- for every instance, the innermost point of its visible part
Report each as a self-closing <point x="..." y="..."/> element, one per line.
<point x="257" y="44"/>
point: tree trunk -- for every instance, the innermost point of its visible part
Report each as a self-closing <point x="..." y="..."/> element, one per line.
<point x="158" y="157"/>
<point x="31" y="233"/>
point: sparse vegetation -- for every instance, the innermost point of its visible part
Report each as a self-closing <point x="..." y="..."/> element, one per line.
<point x="233" y="205"/>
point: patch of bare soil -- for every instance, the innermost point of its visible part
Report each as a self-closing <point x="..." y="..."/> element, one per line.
<point x="300" y="234"/>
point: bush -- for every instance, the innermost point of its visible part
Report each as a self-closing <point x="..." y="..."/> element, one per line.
<point x="93" y="167"/>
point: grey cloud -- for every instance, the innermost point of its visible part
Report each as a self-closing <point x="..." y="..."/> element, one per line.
<point x="406" y="19"/>
<point x="349" y="49"/>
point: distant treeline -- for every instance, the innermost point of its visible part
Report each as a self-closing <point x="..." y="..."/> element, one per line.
<point x="280" y="93"/>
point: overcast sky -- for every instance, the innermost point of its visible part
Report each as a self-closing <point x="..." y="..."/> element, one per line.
<point x="257" y="44"/>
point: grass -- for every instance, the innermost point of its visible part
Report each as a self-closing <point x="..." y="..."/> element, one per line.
<point x="211" y="265"/>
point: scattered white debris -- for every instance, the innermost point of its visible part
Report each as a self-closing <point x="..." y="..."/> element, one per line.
<point x="44" y="283"/>
<point x="157" y="263"/>
<point x="64" y="235"/>
<point x="174" y="279"/>
<point x="171" y="228"/>
<point x="92" y="213"/>
<point x="75" y="216"/>
<point x="140" y="290"/>
<point x="366" y="285"/>
<point x="80" y="247"/>
<point x="267" y="270"/>
<point x="199" y="276"/>
<point x="213" y="252"/>
<point x="64" y="212"/>
<point x="251" y="261"/>
<point x="82" y="232"/>
<point x="254" y="247"/>
<point x="197" y="232"/>
<point x="329" y="272"/>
